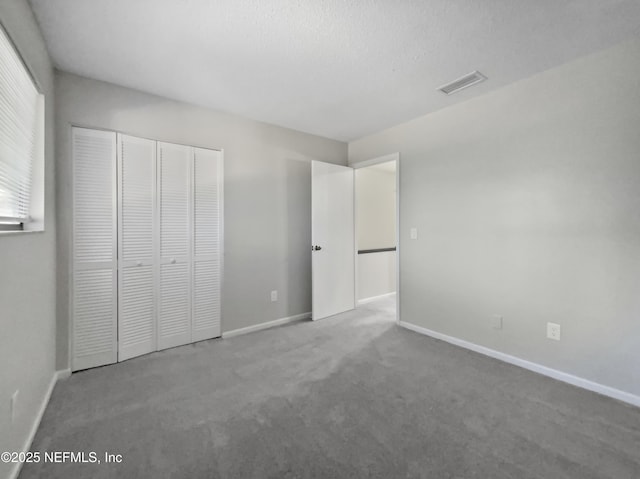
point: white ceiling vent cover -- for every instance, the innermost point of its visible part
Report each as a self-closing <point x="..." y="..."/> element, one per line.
<point x="463" y="82"/>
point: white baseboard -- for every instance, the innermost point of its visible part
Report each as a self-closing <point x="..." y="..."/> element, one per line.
<point x="373" y="298"/>
<point x="538" y="368"/>
<point x="63" y="374"/>
<point x="57" y="375"/>
<point x="267" y="325"/>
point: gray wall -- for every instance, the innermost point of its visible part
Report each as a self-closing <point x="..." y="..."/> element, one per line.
<point x="527" y="202"/>
<point x="27" y="267"/>
<point x="266" y="188"/>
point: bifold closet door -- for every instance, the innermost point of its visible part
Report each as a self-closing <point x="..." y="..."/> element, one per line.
<point x="207" y="243"/>
<point x="136" y="246"/>
<point x="175" y="215"/>
<point x="94" y="257"/>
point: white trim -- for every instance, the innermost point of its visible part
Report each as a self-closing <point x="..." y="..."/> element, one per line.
<point x="374" y="298"/>
<point x="354" y="202"/>
<point x="19" y="232"/>
<point x="398" y="235"/>
<point x="63" y="374"/>
<point x="57" y="376"/>
<point x="354" y="205"/>
<point x="535" y="367"/>
<point x="267" y="325"/>
<point x="221" y="253"/>
<point x="70" y="247"/>
<point x="375" y="161"/>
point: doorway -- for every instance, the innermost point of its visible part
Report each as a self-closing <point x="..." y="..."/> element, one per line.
<point x="376" y="231"/>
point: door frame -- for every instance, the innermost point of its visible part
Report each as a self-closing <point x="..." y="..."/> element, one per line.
<point x="363" y="164"/>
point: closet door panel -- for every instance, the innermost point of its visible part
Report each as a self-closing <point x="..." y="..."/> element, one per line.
<point x="137" y="233"/>
<point x="137" y="315"/>
<point x="206" y="300"/>
<point x="94" y="266"/>
<point x="174" y="184"/>
<point x="207" y="243"/>
<point x="174" y="324"/>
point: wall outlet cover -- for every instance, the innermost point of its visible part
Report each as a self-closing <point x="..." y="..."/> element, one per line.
<point x="553" y="331"/>
<point x="496" y="322"/>
<point x="14" y="401"/>
<point x="413" y="233"/>
<point x="274" y="296"/>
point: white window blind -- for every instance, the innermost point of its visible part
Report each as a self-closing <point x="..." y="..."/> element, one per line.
<point x="20" y="106"/>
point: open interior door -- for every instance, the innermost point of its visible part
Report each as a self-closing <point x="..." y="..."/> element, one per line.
<point x="333" y="241"/>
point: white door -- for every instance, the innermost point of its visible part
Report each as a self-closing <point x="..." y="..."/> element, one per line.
<point x="207" y="243"/>
<point x="94" y="291"/>
<point x="136" y="235"/>
<point x="333" y="241"/>
<point x="174" y="302"/>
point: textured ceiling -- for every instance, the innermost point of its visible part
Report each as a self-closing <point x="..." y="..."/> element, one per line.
<point x="336" y="68"/>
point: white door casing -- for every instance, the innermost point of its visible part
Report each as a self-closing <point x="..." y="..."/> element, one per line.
<point x="333" y="240"/>
<point x="94" y="249"/>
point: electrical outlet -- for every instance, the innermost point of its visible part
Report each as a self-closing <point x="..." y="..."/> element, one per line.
<point x="274" y="296"/>
<point x="413" y="233"/>
<point x="14" y="403"/>
<point x="496" y="321"/>
<point x="553" y="331"/>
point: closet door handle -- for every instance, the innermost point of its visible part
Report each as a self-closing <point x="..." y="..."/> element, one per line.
<point x="173" y="261"/>
<point x="138" y="263"/>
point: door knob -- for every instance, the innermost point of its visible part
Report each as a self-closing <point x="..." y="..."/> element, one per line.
<point x="173" y="261"/>
<point x="316" y="248"/>
<point x="138" y="263"/>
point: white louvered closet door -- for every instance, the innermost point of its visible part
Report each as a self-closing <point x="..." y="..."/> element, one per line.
<point x="94" y="284"/>
<point x="207" y="243"/>
<point x="174" y="303"/>
<point x="136" y="246"/>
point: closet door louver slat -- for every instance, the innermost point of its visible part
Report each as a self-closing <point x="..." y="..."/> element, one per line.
<point x="174" y="184"/>
<point x="137" y="237"/>
<point x="147" y="246"/>
<point x="94" y="272"/>
<point x="207" y="235"/>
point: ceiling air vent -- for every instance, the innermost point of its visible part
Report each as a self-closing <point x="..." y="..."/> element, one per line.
<point x="463" y="82"/>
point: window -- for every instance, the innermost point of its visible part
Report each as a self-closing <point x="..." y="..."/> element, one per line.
<point x="21" y="141"/>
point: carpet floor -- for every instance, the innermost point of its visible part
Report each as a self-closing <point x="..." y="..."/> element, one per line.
<point x="346" y="397"/>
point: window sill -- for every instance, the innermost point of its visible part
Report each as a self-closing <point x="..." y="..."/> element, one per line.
<point x="22" y="232"/>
